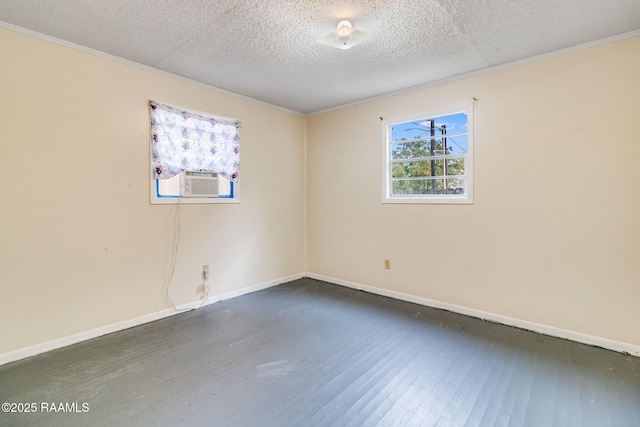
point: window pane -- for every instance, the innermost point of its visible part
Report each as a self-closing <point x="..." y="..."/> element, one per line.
<point x="428" y="186"/>
<point x="409" y="149"/>
<point x="454" y="123"/>
<point x="428" y="147"/>
<point x="458" y="144"/>
<point x="417" y="186"/>
<point x="455" y="167"/>
<point x="437" y="126"/>
<point x="456" y="185"/>
<point x="418" y="169"/>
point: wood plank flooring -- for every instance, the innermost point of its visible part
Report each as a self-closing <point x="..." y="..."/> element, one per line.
<point x="310" y="353"/>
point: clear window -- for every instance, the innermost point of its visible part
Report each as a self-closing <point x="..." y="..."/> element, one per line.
<point x="428" y="158"/>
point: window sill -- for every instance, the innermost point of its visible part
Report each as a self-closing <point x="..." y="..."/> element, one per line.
<point x="193" y="200"/>
<point x="428" y="200"/>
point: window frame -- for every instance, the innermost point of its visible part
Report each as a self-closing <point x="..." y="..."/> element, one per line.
<point x="387" y="124"/>
<point x="156" y="199"/>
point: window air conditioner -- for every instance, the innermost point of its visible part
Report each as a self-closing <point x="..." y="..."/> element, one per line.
<point x="199" y="184"/>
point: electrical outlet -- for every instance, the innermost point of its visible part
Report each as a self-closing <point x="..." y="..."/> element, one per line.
<point x="387" y="264"/>
<point x="205" y="272"/>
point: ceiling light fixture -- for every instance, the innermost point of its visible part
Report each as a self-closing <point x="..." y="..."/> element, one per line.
<point x="344" y="37"/>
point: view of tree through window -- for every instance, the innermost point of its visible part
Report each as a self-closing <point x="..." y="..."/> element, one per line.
<point x="429" y="156"/>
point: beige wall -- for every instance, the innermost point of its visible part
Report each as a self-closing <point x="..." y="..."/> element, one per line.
<point x="80" y="245"/>
<point x="554" y="234"/>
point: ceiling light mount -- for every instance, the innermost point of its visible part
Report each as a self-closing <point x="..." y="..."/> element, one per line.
<point x="344" y="36"/>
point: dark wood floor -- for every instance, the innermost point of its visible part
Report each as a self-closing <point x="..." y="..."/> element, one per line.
<point x="309" y="353"/>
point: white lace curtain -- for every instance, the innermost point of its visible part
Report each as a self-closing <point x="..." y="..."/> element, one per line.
<point x="183" y="140"/>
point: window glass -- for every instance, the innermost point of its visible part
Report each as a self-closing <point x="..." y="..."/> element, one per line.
<point x="428" y="159"/>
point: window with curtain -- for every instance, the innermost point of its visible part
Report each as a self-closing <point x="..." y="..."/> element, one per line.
<point x="191" y="147"/>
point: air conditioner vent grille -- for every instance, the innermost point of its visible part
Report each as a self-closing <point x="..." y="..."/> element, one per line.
<point x="199" y="184"/>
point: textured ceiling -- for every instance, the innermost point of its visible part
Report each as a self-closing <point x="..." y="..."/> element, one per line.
<point x="267" y="49"/>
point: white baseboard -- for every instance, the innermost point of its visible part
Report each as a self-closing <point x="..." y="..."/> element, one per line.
<point x="126" y="324"/>
<point x="618" y="346"/>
